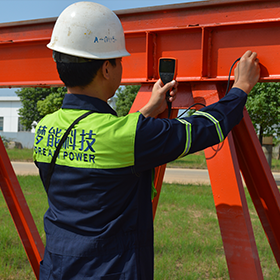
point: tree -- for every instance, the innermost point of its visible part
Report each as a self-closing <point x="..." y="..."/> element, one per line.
<point x="263" y="107"/>
<point x="50" y="100"/>
<point x="125" y="97"/>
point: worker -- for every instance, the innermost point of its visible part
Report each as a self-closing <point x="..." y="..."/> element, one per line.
<point x="99" y="224"/>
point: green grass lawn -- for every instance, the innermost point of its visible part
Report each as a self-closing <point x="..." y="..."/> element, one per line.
<point x="20" y="154"/>
<point x="188" y="243"/>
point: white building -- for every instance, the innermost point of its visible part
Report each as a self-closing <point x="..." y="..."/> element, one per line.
<point x="9" y="120"/>
<point x="10" y="126"/>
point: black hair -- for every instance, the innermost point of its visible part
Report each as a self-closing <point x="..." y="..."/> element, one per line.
<point x="79" y="73"/>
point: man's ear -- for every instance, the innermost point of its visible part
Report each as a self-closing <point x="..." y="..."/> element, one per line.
<point x="105" y="69"/>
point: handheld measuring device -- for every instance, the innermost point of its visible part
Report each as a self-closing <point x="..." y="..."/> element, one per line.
<point x="167" y="72"/>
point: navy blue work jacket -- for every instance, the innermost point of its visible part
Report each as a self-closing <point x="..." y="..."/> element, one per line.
<point x="99" y="224"/>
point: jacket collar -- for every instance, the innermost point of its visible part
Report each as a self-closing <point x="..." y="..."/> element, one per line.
<point x="85" y="102"/>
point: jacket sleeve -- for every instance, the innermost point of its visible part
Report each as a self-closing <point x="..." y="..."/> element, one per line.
<point x="159" y="141"/>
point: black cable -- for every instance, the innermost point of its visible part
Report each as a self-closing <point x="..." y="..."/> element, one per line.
<point x="228" y="83"/>
<point x="230" y="74"/>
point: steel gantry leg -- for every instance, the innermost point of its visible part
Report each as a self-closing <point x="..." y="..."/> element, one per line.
<point x="142" y="99"/>
<point x="259" y="181"/>
<point x="20" y="212"/>
<point x="232" y="212"/>
<point x="242" y="151"/>
<point x="231" y="206"/>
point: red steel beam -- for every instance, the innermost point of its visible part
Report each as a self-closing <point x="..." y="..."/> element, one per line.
<point x="206" y="37"/>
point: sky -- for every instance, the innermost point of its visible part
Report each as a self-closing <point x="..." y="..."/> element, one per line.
<point x="18" y="10"/>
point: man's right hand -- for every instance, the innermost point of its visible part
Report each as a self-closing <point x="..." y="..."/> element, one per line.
<point x="247" y="72"/>
<point x="157" y="103"/>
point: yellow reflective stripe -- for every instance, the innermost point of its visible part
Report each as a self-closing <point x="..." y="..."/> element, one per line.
<point x="188" y="137"/>
<point x="215" y="121"/>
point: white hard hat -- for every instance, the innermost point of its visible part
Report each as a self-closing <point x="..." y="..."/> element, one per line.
<point x="89" y="30"/>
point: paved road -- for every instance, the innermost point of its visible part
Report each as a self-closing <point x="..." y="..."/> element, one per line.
<point x="186" y="176"/>
<point x="172" y="175"/>
<point x="25" y="168"/>
<point x="196" y="176"/>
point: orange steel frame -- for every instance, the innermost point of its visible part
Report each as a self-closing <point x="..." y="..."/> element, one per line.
<point x="206" y="37"/>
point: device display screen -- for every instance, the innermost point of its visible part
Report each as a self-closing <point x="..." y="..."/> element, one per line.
<point x="167" y="66"/>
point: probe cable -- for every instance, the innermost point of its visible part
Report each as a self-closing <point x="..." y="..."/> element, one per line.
<point x="228" y="83"/>
<point x="230" y="74"/>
